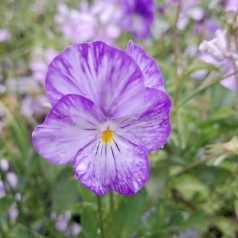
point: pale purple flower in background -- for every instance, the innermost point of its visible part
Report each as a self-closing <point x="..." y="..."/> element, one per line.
<point x="137" y="17"/>
<point x="4" y="165"/>
<point x="64" y="224"/>
<point x="109" y="109"/>
<point x="230" y="5"/>
<point x="222" y="53"/>
<point x="77" y="26"/>
<point x="74" y="229"/>
<point x="189" y="233"/>
<point x="2" y="190"/>
<point x="40" y="61"/>
<point x="62" y="221"/>
<point x="33" y="105"/>
<point x="189" y="10"/>
<point x="5" y="35"/>
<point x="13" y="213"/>
<point x="96" y="22"/>
<point x="206" y="26"/>
<point x="12" y="179"/>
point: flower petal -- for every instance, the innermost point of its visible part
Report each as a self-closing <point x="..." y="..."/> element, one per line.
<point x="117" y="165"/>
<point x="69" y="126"/>
<point x="103" y="74"/>
<point x="151" y="72"/>
<point x="150" y="128"/>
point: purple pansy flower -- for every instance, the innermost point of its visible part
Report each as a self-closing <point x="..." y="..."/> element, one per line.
<point x="109" y="109"/>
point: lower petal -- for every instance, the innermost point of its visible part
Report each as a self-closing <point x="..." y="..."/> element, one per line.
<point x="118" y="166"/>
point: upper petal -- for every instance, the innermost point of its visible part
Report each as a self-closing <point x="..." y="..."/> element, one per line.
<point x="70" y="125"/>
<point x="118" y="166"/>
<point x="150" y="128"/>
<point x="151" y="72"/>
<point x="104" y="74"/>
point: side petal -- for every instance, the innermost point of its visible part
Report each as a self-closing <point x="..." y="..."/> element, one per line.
<point x="118" y="166"/>
<point x="69" y="126"/>
<point x="148" y="66"/>
<point x="150" y="128"/>
<point x="105" y="75"/>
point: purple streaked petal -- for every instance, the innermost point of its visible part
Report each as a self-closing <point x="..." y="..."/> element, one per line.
<point x="151" y="72"/>
<point x="69" y="126"/>
<point x="103" y="74"/>
<point x="150" y="129"/>
<point x="119" y="166"/>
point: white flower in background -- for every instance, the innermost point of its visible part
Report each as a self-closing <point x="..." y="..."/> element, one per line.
<point x="4" y="165"/>
<point x="5" y="35"/>
<point x="13" y="213"/>
<point x="97" y="22"/>
<point x="40" y="59"/>
<point x="217" y="47"/>
<point x="12" y="179"/>
<point x="222" y="52"/>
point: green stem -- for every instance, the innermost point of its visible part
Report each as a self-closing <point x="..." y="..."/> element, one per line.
<point x="112" y="213"/>
<point x="176" y="54"/>
<point x="203" y="87"/>
<point x="100" y="216"/>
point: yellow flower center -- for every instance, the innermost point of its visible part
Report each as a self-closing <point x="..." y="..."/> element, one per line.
<point x="107" y="136"/>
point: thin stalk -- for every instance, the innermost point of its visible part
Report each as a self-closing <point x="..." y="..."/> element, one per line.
<point x="189" y="167"/>
<point x="100" y="216"/>
<point x="176" y="54"/>
<point x="175" y="34"/>
<point x="204" y="87"/>
<point x="112" y="213"/>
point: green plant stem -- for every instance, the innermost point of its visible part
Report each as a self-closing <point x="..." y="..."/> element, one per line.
<point x="189" y="167"/>
<point x="204" y="87"/>
<point x="176" y="55"/>
<point x="100" y="216"/>
<point x="112" y="213"/>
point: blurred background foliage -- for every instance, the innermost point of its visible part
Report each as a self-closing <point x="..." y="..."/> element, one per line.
<point x="193" y="186"/>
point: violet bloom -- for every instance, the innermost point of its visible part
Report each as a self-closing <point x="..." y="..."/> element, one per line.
<point x="109" y="109"/>
<point x="137" y="17"/>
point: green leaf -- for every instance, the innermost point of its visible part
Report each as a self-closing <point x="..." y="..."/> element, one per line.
<point x="65" y="192"/>
<point x="190" y="187"/>
<point x="195" y="218"/>
<point x="129" y="212"/>
<point x="5" y="203"/>
<point x="212" y="176"/>
<point x="200" y="65"/>
<point x="89" y="223"/>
